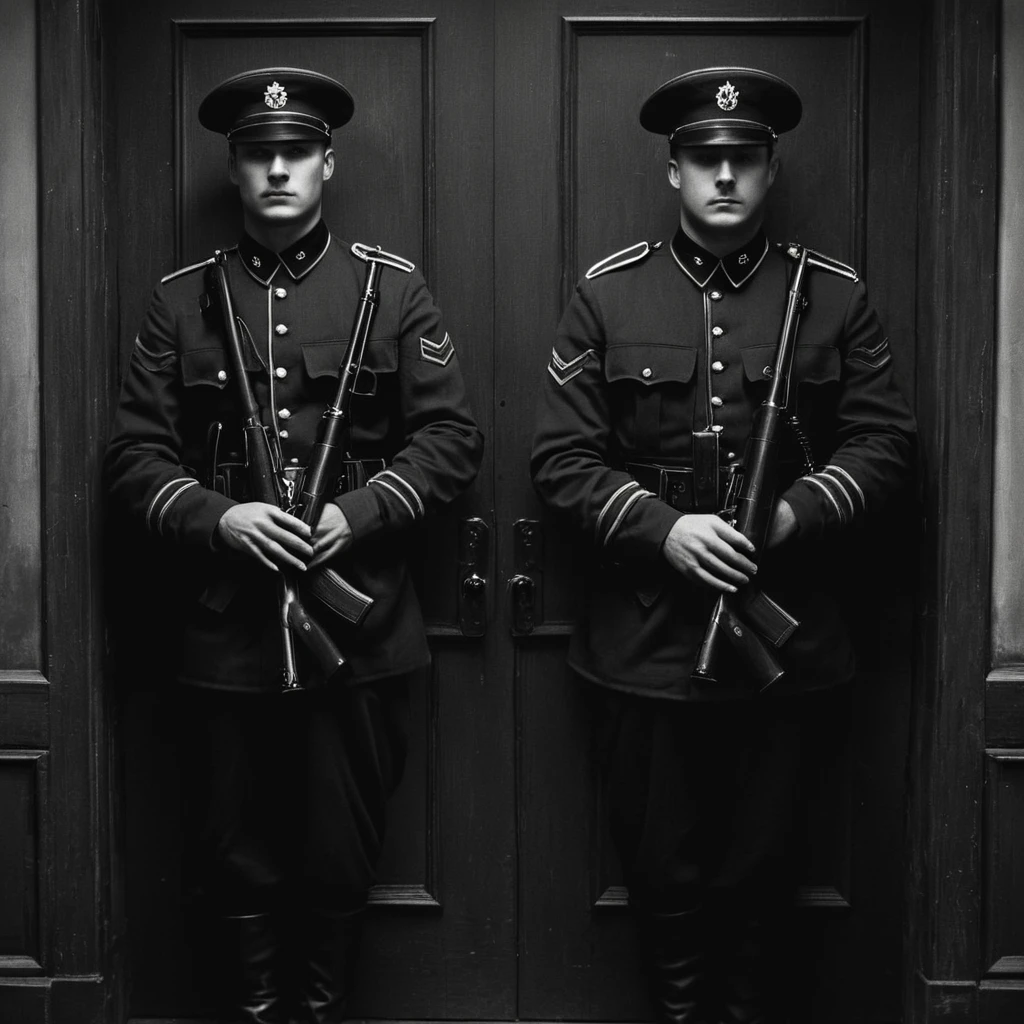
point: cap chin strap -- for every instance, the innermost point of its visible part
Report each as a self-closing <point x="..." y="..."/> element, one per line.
<point x="732" y="124"/>
<point x="271" y="126"/>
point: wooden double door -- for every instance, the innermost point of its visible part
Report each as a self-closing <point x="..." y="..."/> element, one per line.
<point x="497" y="145"/>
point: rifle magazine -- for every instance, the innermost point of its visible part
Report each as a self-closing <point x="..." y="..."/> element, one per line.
<point x="339" y="595"/>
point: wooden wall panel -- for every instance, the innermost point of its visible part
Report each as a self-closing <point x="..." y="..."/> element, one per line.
<point x="21" y="636"/>
<point x="955" y="384"/>
<point x="22" y="811"/>
<point x="1003" y="882"/>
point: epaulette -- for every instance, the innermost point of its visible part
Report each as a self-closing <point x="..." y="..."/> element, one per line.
<point x="794" y="251"/>
<point x="622" y="258"/>
<point x="194" y="266"/>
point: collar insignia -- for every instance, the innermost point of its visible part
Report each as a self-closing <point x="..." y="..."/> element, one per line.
<point x="727" y="97"/>
<point x="743" y="258"/>
<point x="257" y="262"/>
<point x="275" y="97"/>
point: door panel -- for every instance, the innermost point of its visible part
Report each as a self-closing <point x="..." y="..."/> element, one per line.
<point x="584" y="180"/>
<point x="499" y="144"/>
<point x="414" y="173"/>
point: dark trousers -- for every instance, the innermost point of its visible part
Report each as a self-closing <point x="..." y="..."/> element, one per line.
<point x="285" y="794"/>
<point x="707" y="800"/>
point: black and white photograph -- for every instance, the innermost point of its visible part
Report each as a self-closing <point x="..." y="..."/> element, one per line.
<point x="511" y="510"/>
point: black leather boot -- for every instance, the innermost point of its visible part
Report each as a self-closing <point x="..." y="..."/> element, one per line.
<point x="330" y="945"/>
<point x="252" y="987"/>
<point x="671" y="944"/>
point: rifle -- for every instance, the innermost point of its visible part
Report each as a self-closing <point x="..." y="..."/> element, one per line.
<point x="750" y="621"/>
<point x="270" y="484"/>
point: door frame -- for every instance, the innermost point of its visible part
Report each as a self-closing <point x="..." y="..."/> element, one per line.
<point x="83" y="916"/>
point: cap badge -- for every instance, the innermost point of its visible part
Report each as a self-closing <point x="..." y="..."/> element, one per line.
<point x="727" y="97"/>
<point x="275" y="97"/>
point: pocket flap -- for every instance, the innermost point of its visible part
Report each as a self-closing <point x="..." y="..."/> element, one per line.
<point x="205" y="366"/>
<point x="812" y="364"/>
<point x="323" y="358"/>
<point x="650" y="364"/>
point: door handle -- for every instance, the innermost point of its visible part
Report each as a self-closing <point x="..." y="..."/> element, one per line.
<point x="472" y="598"/>
<point x="524" y="588"/>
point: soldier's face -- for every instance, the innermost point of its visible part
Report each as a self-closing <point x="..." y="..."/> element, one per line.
<point x="281" y="182"/>
<point x="722" y="189"/>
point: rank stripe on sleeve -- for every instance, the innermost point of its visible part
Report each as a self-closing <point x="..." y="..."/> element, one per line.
<point x="439" y="352"/>
<point x="563" y="370"/>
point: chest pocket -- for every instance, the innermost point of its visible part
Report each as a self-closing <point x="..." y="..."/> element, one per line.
<point x="652" y="393"/>
<point x="375" y="394"/>
<point x="812" y="364"/>
<point x="816" y="374"/>
<point x="205" y="366"/>
<point x="322" y="359"/>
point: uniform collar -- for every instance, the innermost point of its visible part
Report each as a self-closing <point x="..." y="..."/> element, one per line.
<point x="298" y="259"/>
<point x="700" y="265"/>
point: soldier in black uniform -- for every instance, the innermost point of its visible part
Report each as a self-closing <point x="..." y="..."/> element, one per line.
<point x="287" y="793"/>
<point x="660" y="361"/>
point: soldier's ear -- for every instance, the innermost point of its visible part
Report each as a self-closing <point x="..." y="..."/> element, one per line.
<point x="773" y="168"/>
<point x="232" y="165"/>
<point x="673" y="172"/>
<point x="328" y="163"/>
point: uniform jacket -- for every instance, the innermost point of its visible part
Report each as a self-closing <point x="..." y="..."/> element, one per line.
<point x="657" y="344"/>
<point x="411" y="411"/>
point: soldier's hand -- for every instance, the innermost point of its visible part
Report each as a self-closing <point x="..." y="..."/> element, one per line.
<point x="783" y="524"/>
<point x="332" y="534"/>
<point x="268" y="534"/>
<point x="706" y="549"/>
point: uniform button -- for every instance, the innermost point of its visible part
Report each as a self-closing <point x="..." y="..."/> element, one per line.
<point x="717" y="402"/>
<point x="718" y="366"/>
<point x="222" y="375"/>
<point x="284" y="413"/>
<point x="280" y="329"/>
<point x="294" y="462"/>
<point x="714" y="296"/>
<point x="280" y="372"/>
<point x="768" y="371"/>
<point x="730" y="455"/>
<point x="646" y="372"/>
<point x="717" y="331"/>
<point x="280" y="293"/>
<point x="718" y="428"/>
<point x="284" y="433"/>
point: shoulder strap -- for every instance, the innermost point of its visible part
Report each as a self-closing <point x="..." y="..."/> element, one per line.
<point x="193" y="266"/>
<point x="622" y="258"/>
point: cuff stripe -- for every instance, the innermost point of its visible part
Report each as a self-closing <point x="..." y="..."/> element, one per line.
<point x="828" y="494"/>
<point x="395" y="491"/>
<point x="627" y="505"/>
<point x="408" y="486"/>
<point x="171" y="500"/>
<point x="853" y="483"/>
<point x="159" y="494"/>
<point x="628" y="486"/>
<point x="838" y="485"/>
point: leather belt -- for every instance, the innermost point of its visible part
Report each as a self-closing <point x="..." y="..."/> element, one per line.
<point x="232" y="478"/>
